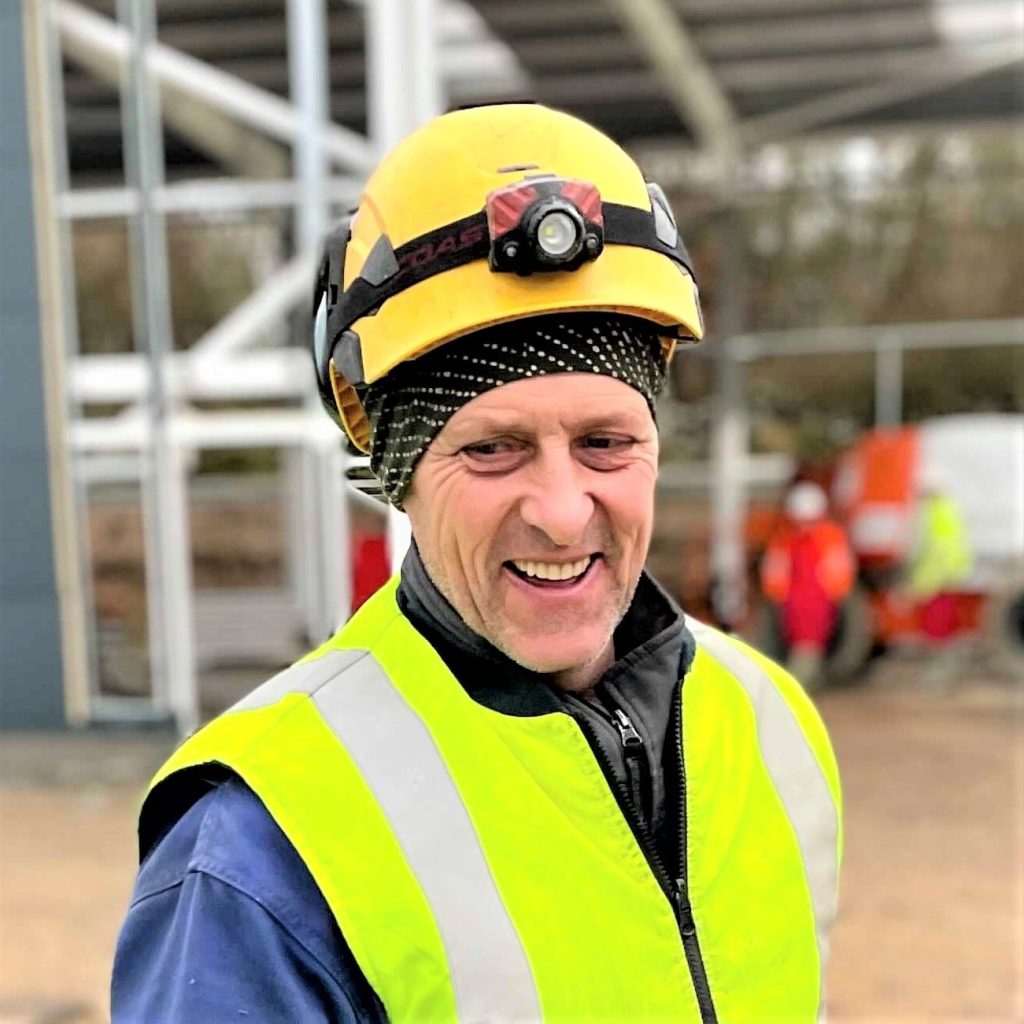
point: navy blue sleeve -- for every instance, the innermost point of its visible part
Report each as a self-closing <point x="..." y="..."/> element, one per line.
<point x="227" y="924"/>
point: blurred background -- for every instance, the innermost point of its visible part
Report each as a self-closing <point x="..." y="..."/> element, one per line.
<point x="845" y="449"/>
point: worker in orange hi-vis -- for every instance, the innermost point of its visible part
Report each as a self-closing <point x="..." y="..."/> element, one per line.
<point x="808" y="570"/>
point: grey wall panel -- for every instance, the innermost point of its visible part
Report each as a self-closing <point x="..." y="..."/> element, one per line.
<point x="31" y="685"/>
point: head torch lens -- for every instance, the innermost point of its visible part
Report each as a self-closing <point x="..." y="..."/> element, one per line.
<point x="558" y="235"/>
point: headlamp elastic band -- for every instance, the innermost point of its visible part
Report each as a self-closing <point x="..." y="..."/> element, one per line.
<point x="388" y="271"/>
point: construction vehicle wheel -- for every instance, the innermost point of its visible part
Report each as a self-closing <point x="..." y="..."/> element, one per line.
<point x="1004" y="628"/>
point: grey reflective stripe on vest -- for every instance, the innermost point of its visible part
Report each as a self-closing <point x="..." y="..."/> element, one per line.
<point x="795" y="773"/>
<point x="303" y="677"/>
<point x="399" y="761"/>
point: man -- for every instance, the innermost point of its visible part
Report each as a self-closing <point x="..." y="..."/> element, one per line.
<point x="939" y="559"/>
<point x="519" y="785"/>
<point x="808" y="571"/>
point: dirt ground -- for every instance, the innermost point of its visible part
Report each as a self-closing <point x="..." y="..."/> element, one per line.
<point x="931" y="924"/>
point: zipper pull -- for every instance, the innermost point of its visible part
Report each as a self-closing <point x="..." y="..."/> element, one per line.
<point x="684" y="910"/>
<point x="630" y="737"/>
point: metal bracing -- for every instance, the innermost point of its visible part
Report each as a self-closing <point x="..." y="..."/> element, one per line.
<point x="202" y="195"/>
<point x="249" y="130"/>
<point x="272" y="375"/>
<point x="684" y="75"/>
<point x="937" y="334"/>
<point x="157" y="439"/>
<point x="888" y="342"/>
<point x="84" y="32"/>
<point x="919" y="75"/>
<point x="156" y="426"/>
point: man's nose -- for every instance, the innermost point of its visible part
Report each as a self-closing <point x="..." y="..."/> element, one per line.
<point x="559" y="502"/>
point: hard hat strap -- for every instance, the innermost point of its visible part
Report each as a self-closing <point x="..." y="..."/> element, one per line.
<point x="388" y="271"/>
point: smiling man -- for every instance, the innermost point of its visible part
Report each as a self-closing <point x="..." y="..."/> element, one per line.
<point x="520" y="785"/>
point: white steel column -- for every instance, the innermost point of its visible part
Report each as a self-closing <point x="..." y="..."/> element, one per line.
<point x="888" y="383"/>
<point x="731" y="430"/>
<point x="165" y="501"/>
<point x="318" y="511"/>
<point x="404" y="90"/>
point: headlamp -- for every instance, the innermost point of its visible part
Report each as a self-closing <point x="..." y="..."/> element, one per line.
<point x="544" y="223"/>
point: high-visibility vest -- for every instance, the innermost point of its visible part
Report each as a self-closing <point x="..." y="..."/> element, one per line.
<point x="479" y="865"/>
<point x="940" y="558"/>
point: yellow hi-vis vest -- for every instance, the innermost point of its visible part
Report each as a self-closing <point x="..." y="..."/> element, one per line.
<point x="480" y="868"/>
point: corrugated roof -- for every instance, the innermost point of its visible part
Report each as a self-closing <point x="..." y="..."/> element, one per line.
<point x="779" y="66"/>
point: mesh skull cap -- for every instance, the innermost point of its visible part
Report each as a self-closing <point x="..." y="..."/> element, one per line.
<point x="409" y="407"/>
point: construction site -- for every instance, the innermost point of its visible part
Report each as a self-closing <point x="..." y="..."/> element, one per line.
<point x="181" y="520"/>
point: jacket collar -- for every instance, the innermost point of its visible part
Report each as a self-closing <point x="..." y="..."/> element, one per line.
<point x="653" y="650"/>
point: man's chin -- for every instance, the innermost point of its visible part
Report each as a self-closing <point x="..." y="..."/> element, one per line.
<point x="551" y="655"/>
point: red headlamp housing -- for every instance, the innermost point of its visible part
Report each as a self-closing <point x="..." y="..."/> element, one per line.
<point x="544" y="223"/>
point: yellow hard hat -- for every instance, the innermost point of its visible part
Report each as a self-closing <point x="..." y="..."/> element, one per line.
<point x="486" y="215"/>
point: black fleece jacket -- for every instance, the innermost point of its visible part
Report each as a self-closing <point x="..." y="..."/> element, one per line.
<point x="653" y="652"/>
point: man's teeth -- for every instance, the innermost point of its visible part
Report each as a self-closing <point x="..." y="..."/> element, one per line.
<point x="552" y="570"/>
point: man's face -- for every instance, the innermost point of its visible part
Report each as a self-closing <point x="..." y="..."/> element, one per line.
<point x="538" y="479"/>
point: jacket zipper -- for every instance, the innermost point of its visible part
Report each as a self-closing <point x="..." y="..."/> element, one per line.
<point x="675" y="892"/>
<point x="633" y="753"/>
<point x="687" y="925"/>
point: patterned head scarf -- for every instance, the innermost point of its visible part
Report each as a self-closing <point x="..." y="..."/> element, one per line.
<point x="408" y="407"/>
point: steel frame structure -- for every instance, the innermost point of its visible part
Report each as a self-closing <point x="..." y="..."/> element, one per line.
<point x="152" y="438"/>
<point x="404" y="81"/>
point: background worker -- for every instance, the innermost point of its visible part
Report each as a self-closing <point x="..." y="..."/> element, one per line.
<point x="807" y="572"/>
<point x="939" y="558"/>
<point x="519" y="785"/>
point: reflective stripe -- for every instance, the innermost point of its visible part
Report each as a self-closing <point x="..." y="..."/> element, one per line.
<point x="302" y="677"/>
<point x="401" y="764"/>
<point x="796" y="775"/>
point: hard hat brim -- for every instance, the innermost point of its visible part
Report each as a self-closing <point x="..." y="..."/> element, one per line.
<point x="625" y="279"/>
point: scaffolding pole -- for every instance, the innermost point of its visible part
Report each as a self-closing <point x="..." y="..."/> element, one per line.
<point x="731" y="430"/>
<point x="164" y="484"/>
<point x="318" y="528"/>
<point x="404" y="90"/>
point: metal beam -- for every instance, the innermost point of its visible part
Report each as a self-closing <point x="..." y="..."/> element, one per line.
<point x="738" y="10"/>
<point x="201" y="195"/>
<point x="888" y="384"/>
<point x="940" y="334"/>
<point x="198" y="430"/>
<point x="852" y="31"/>
<point x="684" y="73"/>
<point x="535" y="18"/>
<point x="272" y="375"/>
<point x="83" y="32"/>
<point x="234" y="146"/>
<point x="919" y="76"/>
<point x="807" y="72"/>
<point x="165" y="488"/>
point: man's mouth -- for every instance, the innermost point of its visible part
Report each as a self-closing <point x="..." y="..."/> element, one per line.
<point x="551" y="574"/>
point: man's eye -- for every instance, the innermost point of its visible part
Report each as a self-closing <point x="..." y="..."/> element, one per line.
<point x="600" y="442"/>
<point x="495" y="454"/>
<point x="486" y="448"/>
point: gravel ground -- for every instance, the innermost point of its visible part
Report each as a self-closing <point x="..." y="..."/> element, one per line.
<point x="931" y="925"/>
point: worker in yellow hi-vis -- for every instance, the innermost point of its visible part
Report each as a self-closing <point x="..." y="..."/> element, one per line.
<point x="940" y="558"/>
<point x="520" y="784"/>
